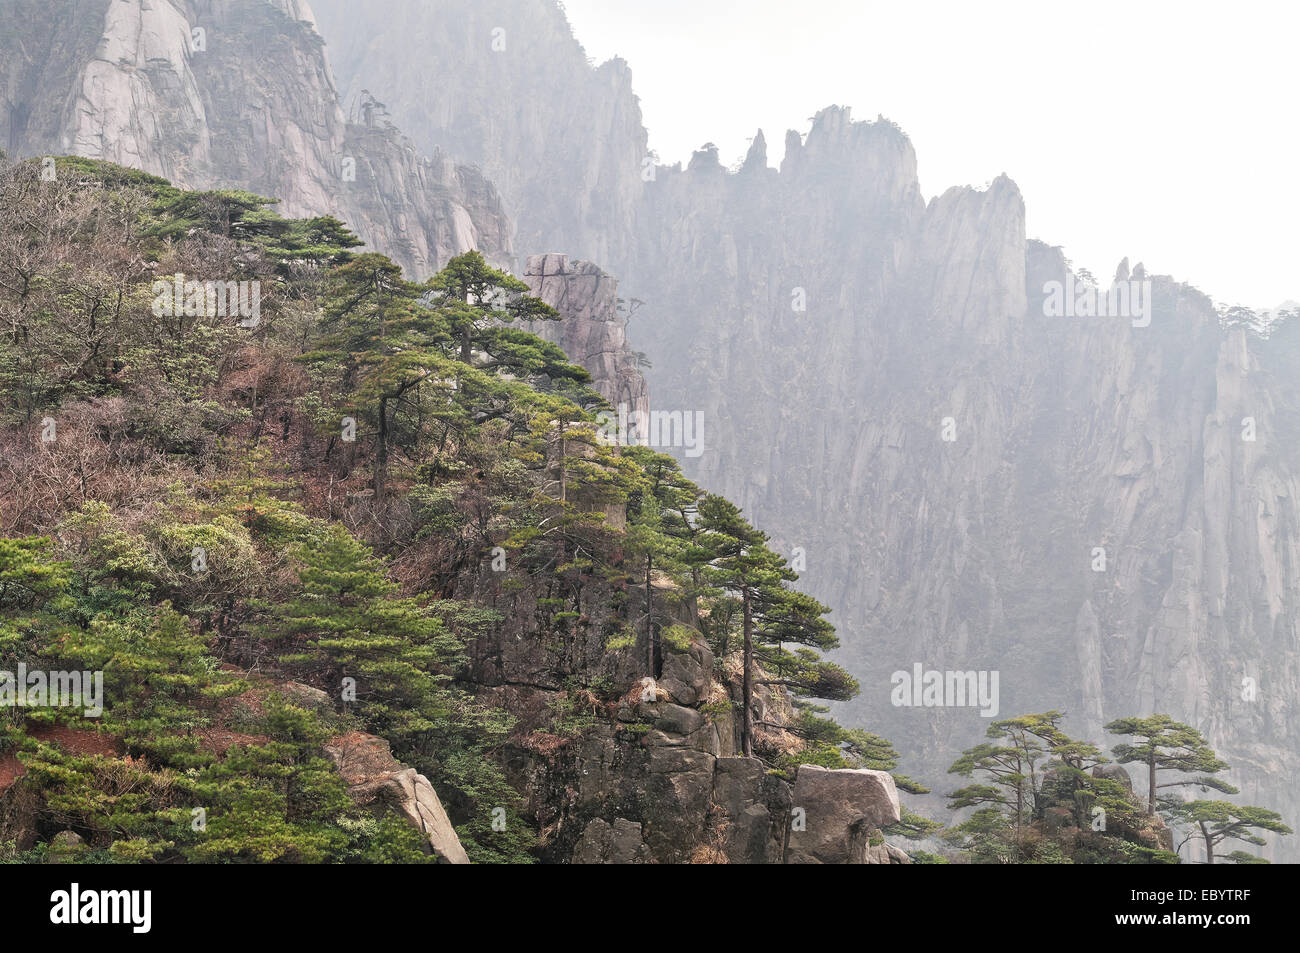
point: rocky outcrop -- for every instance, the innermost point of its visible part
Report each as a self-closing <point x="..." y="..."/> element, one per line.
<point x="505" y="85"/>
<point x="830" y="323"/>
<point x="838" y="812"/>
<point x="234" y="94"/>
<point x="593" y="331"/>
<point x="375" y="778"/>
<point x="66" y="847"/>
<point x="619" y="767"/>
<point x="658" y="789"/>
<point x="1148" y="830"/>
<point x="1074" y="820"/>
<point x="603" y="843"/>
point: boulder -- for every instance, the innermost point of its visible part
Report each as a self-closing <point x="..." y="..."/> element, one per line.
<point x="605" y="843"/>
<point x="375" y="777"/>
<point x="687" y="675"/>
<point x="678" y="719"/>
<point x="307" y="697"/>
<point x="1115" y="772"/>
<point x="885" y="854"/>
<point x="65" y="848"/>
<point x="840" y="810"/>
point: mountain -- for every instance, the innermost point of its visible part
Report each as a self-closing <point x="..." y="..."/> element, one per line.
<point x="825" y="423"/>
<point x="347" y="575"/>
<point x="885" y="385"/>
<point x="233" y="94"/>
<point x="504" y="85"/>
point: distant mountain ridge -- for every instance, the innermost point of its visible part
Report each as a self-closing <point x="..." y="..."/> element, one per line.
<point x="828" y="321"/>
<point x="825" y="424"/>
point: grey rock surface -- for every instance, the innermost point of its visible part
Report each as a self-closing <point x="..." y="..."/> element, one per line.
<point x="235" y="94"/>
<point x="841" y="809"/>
<point x="374" y="776"/>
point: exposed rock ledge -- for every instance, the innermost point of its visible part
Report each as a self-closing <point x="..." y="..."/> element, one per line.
<point x="841" y="810"/>
<point x="374" y="776"/>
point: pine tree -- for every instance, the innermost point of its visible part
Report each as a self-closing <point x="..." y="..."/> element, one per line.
<point x="347" y="621"/>
<point x="737" y="560"/>
<point x="475" y="298"/>
<point x="162" y="682"/>
<point x="34" y="602"/>
<point x="658" y="532"/>
<point x="277" y="801"/>
<point x="1166" y="745"/>
<point x="1219" y="821"/>
<point x="407" y="351"/>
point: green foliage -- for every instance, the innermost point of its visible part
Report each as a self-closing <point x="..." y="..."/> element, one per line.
<point x="274" y="801"/>
<point x="1035" y="795"/>
<point x="1219" y="821"/>
<point x="119" y="806"/>
<point x="1163" y="745"/>
<point x="754" y="595"/>
<point x="210" y="543"/>
<point x="347" y="622"/>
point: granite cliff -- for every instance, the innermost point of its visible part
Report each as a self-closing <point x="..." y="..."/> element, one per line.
<point x="234" y="94"/>
<point x="506" y="86"/>
<point x="877" y="318"/>
<point x="883" y="386"/>
<point x="593" y="331"/>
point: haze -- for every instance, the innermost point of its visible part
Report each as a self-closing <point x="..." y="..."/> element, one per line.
<point x="1164" y="132"/>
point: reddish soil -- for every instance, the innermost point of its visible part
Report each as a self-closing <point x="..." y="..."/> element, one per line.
<point x="76" y="740"/>
<point x="218" y="740"/>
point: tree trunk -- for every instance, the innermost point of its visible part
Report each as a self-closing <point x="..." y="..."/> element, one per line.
<point x="1020" y="814"/>
<point x="747" y="719"/>
<point x="1209" y="844"/>
<point x="381" y="453"/>
<point x="466" y="352"/>
<point x="649" y="620"/>
<point x="1151" y="781"/>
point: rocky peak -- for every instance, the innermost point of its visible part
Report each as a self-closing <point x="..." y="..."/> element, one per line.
<point x="594" y="329"/>
<point x="236" y="93"/>
<point x="756" y="157"/>
<point x="454" y="74"/>
<point x="375" y="777"/>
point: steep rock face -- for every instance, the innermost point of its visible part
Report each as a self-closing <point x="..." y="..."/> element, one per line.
<point x="620" y="768"/>
<point x="831" y="324"/>
<point x="233" y="94"/>
<point x="593" y="332"/>
<point x="506" y="86"/>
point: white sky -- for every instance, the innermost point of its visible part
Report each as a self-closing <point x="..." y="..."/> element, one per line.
<point x="1165" y="131"/>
